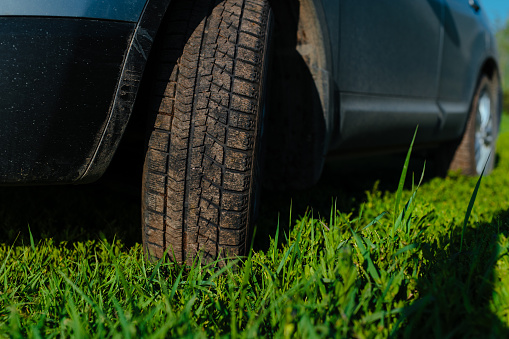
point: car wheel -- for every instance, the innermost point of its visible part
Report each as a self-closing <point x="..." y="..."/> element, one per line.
<point x="477" y="147"/>
<point x="200" y="171"/>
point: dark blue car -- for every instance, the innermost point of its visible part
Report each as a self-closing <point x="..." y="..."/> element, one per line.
<point x="228" y="90"/>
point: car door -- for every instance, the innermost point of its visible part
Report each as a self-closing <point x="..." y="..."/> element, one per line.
<point x="466" y="42"/>
<point x="388" y="70"/>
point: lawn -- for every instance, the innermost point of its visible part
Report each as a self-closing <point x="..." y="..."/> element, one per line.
<point x="352" y="257"/>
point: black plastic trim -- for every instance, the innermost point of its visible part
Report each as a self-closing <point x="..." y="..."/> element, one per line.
<point x="127" y="88"/>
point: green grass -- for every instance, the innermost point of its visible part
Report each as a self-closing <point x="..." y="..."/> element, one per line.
<point x="382" y="262"/>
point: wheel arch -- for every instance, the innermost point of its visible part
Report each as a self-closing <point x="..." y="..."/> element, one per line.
<point x="127" y="89"/>
<point x="302" y="119"/>
<point x="491" y="69"/>
<point x="313" y="23"/>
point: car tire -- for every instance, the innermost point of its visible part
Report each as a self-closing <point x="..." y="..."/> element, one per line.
<point x="476" y="150"/>
<point x="201" y="164"/>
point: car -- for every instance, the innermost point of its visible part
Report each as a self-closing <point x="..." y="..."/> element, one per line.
<point x="236" y="94"/>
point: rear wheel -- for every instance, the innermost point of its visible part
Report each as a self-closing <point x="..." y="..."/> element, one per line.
<point x="477" y="147"/>
<point x="200" y="171"/>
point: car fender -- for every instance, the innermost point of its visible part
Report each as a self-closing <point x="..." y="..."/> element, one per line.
<point x="127" y="88"/>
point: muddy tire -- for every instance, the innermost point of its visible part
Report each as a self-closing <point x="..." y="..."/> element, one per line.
<point x="200" y="172"/>
<point x="477" y="147"/>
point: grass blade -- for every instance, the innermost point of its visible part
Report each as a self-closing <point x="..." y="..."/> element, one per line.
<point x="282" y="263"/>
<point x="402" y="182"/>
<point x="365" y="253"/>
<point x="32" y="243"/>
<point x="471" y="205"/>
<point x="374" y="221"/>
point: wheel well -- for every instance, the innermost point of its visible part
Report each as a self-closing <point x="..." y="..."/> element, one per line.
<point x="303" y="24"/>
<point x="300" y="110"/>
<point x="314" y="46"/>
<point x="490" y="68"/>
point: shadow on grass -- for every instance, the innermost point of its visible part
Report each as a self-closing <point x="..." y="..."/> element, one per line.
<point x="70" y="213"/>
<point x="344" y="183"/>
<point x="457" y="288"/>
<point x="111" y="206"/>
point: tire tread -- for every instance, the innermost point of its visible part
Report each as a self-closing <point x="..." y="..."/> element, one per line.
<point x="203" y="142"/>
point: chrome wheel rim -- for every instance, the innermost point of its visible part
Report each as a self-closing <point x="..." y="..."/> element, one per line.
<point x="484" y="137"/>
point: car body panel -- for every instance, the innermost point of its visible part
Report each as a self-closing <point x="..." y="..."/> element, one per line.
<point x="57" y="79"/>
<point x="387" y="82"/>
<point x="468" y="45"/>
<point x="119" y="10"/>
<point x="373" y="61"/>
<point x="429" y="71"/>
<point x="466" y="41"/>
